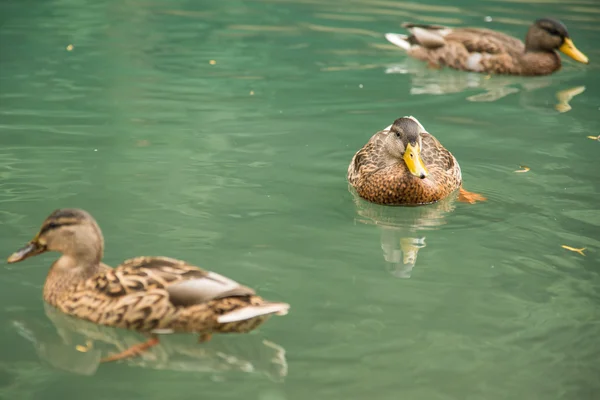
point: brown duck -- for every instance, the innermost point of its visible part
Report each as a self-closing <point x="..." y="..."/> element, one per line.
<point x="488" y="51"/>
<point x="405" y="165"/>
<point x="148" y="294"/>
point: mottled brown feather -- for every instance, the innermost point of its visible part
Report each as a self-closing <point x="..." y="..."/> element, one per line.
<point x="134" y="296"/>
<point x="498" y="56"/>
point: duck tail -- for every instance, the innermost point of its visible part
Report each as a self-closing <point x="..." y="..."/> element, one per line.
<point x="402" y="41"/>
<point x="250" y="312"/>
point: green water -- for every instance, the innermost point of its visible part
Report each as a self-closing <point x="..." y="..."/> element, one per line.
<point x="239" y="166"/>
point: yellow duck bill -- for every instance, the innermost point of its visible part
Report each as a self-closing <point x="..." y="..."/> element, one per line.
<point x="29" y="250"/>
<point x="414" y="162"/>
<point x="569" y="49"/>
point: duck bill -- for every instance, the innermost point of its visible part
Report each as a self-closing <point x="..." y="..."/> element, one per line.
<point x="414" y="162"/>
<point x="31" y="249"/>
<point x="569" y="49"/>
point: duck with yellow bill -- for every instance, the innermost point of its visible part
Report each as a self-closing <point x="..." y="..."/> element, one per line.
<point x="153" y="295"/>
<point x="406" y="165"/>
<point x="489" y="51"/>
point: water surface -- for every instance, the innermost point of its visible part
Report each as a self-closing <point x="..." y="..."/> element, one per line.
<point x="238" y="165"/>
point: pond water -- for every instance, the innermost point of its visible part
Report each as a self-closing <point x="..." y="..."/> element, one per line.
<point x="220" y="132"/>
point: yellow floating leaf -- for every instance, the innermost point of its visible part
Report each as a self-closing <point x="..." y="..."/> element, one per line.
<point x="523" y="169"/>
<point x="594" y="137"/>
<point x="580" y="251"/>
<point x="212" y="62"/>
<point x="70" y="47"/>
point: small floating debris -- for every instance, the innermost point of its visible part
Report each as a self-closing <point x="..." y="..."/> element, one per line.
<point x="488" y="19"/>
<point x="573" y="249"/>
<point x="70" y="47"/>
<point x="594" y="137"/>
<point x="84" y="349"/>
<point x="212" y="62"/>
<point x="142" y="143"/>
<point x="523" y="169"/>
<point x="252" y="93"/>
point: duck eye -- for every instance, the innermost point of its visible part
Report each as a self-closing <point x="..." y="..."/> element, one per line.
<point x="553" y="32"/>
<point x="397" y="134"/>
<point x="52" y="225"/>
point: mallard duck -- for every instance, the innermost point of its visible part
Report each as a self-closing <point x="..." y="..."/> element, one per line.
<point x="146" y="294"/>
<point x="405" y="165"/>
<point x="488" y="51"/>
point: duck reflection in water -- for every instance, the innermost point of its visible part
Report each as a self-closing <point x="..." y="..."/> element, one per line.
<point x="430" y="81"/>
<point x="402" y="229"/>
<point x="78" y="346"/>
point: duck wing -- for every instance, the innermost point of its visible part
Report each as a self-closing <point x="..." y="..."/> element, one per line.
<point x="438" y="159"/>
<point x="479" y="40"/>
<point x="475" y="40"/>
<point x="367" y="160"/>
<point x="185" y="284"/>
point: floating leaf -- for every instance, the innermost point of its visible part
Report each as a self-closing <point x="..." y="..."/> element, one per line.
<point x="523" y="169"/>
<point x="573" y="249"/>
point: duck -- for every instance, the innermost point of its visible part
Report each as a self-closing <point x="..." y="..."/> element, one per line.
<point x="152" y="295"/>
<point x="405" y="165"/>
<point x="488" y="51"/>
